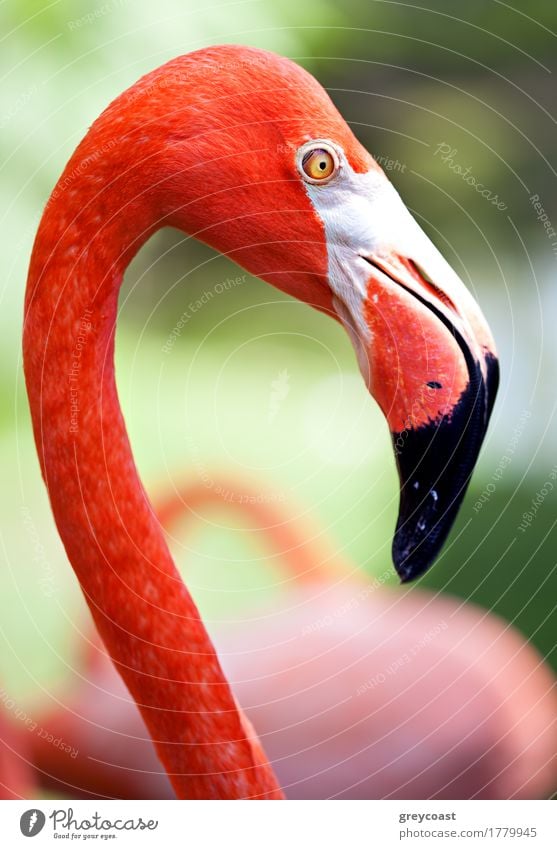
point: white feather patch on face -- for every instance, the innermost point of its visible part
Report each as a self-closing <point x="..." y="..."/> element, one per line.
<point x="345" y="206"/>
<point x="363" y="215"/>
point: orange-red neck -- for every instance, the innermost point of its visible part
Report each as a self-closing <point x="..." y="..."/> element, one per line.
<point x="97" y="218"/>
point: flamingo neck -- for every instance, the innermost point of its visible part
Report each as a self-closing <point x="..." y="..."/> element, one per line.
<point x="97" y="218"/>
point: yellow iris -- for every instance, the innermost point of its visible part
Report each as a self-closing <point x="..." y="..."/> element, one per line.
<point x="318" y="164"/>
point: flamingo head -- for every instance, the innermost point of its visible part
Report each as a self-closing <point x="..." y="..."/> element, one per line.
<point x="263" y="167"/>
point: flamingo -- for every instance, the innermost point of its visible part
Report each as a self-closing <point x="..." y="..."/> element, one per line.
<point x="244" y="150"/>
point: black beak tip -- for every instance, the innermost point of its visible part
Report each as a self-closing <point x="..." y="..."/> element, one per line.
<point x="406" y="577"/>
<point x="406" y="572"/>
<point x="435" y="463"/>
<point x="412" y="557"/>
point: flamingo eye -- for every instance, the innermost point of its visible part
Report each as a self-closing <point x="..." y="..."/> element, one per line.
<point x="318" y="162"/>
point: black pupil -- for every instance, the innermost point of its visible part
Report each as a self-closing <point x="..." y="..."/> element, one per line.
<point x="322" y="162"/>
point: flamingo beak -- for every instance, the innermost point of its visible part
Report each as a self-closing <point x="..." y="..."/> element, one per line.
<point x="429" y="360"/>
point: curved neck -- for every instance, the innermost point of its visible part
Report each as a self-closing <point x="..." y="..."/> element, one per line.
<point x="97" y="218"/>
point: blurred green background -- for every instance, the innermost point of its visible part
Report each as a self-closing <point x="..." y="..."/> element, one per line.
<point x="258" y="387"/>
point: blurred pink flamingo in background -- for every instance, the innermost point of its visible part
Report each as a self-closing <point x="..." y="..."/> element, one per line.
<point x="462" y="708"/>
